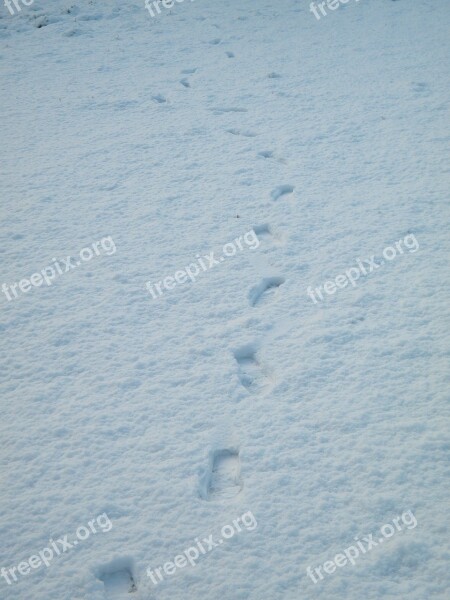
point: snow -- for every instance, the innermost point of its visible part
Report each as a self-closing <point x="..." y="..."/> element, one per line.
<point x="176" y="135"/>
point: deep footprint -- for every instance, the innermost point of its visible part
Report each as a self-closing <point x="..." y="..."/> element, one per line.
<point x="225" y="482"/>
<point x="251" y="373"/>
<point x="265" y="291"/>
<point x="263" y="230"/>
<point x="119" y="582"/>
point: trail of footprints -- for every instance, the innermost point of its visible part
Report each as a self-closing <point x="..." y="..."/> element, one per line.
<point x="221" y="481"/>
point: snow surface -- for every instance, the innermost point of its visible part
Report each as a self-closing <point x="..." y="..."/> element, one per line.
<point x="174" y="136"/>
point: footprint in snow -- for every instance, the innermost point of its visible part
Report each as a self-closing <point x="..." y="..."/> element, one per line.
<point x="265" y="291"/>
<point x="223" y="479"/>
<point x="266" y="231"/>
<point x="220" y="110"/>
<point x="419" y="86"/>
<point x="185" y="82"/>
<point x="252" y="375"/>
<point x="230" y="54"/>
<point x="159" y="98"/>
<point x="118" y="579"/>
<point x="270" y="154"/>
<point x="281" y="190"/>
<point x="241" y="132"/>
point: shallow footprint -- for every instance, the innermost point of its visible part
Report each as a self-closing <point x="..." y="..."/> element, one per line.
<point x="265" y="291"/>
<point x="232" y="109"/>
<point x="241" y="132"/>
<point x="264" y="231"/>
<point x="159" y="98"/>
<point x="270" y="154"/>
<point x="281" y="190"/>
<point x="266" y="153"/>
<point x="252" y="374"/>
<point x="225" y="482"/>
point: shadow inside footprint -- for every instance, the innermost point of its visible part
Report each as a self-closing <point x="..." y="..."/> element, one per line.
<point x="251" y="373"/>
<point x="266" y="153"/>
<point x="118" y="579"/>
<point x="159" y="99"/>
<point x="225" y="482"/>
<point x="264" y="291"/>
<point x="263" y="230"/>
<point x="244" y="133"/>
<point x="281" y="190"/>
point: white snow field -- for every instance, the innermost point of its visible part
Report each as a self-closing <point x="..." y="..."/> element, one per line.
<point x="270" y="424"/>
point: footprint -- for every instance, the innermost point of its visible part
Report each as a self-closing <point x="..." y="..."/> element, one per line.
<point x="188" y="71"/>
<point x="118" y="579"/>
<point x="420" y="87"/>
<point x="266" y="231"/>
<point x="215" y="41"/>
<point x="281" y="190"/>
<point x="40" y="21"/>
<point x="185" y="82"/>
<point x="252" y="375"/>
<point x="232" y="109"/>
<point x="224" y="477"/>
<point x="263" y="230"/>
<point x="241" y="132"/>
<point x="159" y="98"/>
<point x="274" y="76"/>
<point x="270" y="154"/>
<point x="230" y="54"/>
<point x="265" y="291"/>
